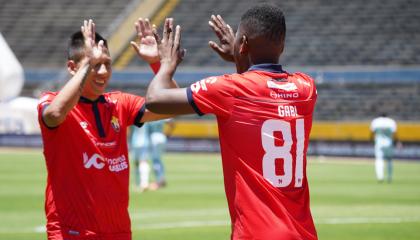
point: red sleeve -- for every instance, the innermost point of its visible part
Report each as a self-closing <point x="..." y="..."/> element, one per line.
<point x="310" y="85"/>
<point x="43" y="103"/>
<point x="212" y="95"/>
<point x="134" y="108"/>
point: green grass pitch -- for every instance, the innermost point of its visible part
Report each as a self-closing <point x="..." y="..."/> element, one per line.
<point x="347" y="202"/>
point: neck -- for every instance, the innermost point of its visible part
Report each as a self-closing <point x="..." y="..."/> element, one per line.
<point x="91" y="97"/>
<point x="264" y="60"/>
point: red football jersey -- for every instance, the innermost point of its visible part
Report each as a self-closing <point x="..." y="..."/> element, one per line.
<point x="264" y="118"/>
<point x="88" y="170"/>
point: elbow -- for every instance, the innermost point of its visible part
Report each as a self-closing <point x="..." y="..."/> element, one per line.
<point x="152" y="106"/>
<point x="53" y="116"/>
<point x="152" y="102"/>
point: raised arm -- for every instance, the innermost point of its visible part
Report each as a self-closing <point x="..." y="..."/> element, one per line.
<point x="55" y="113"/>
<point x="161" y="96"/>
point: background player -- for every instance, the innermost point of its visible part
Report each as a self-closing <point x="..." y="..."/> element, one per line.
<point x="147" y="143"/>
<point x="84" y="134"/>
<point x="384" y="129"/>
<point x="264" y="116"/>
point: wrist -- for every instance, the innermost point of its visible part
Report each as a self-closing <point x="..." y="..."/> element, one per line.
<point x="167" y="67"/>
<point x="155" y="66"/>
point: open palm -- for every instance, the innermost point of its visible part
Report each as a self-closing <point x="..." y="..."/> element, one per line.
<point x="146" y="47"/>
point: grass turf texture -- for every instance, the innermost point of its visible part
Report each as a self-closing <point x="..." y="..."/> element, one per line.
<point x="347" y="202"/>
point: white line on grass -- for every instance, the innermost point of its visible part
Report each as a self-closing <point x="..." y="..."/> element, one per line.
<point x="358" y="220"/>
<point x="215" y="223"/>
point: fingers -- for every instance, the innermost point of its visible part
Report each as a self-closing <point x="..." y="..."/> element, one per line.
<point x="93" y="31"/>
<point x="141" y="26"/>
<point x="138" y="30"/>
<point x="171" y="32"/>
<point x="177" y="37"/>
<point x="165" y="30"/>
<point x="147" y="27"/>
<point x="135" y="46"/>
<point x="101" y="44"/>
<point x="168" y="31"/>
<point x="88" y="30"/>
<point x="217" y="26"/>
<point x="216" y="47"/>
<point x="221" y="21"/>
<point x="155" y="34"/>
<point x="220" y="27"/>
<point x="230" y="30"/>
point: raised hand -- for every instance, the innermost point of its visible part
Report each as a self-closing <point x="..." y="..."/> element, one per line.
<point x="226" y="38"/>
<point x="94" y="52"/>
<point x="170" y="51"/>
<point x="147" y="47"/>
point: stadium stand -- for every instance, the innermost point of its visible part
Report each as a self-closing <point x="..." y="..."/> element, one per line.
<point x="320" y="32"/>
<point x="37" y="31"/>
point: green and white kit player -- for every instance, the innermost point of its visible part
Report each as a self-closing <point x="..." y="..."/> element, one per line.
<point x="384" y="129"/>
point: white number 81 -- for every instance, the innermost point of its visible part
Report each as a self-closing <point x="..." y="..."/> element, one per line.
<point x="273" y="152"/>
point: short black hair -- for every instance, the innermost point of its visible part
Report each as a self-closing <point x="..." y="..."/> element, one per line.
<point x="265" y="20"/>
<point x="76" y="45"/>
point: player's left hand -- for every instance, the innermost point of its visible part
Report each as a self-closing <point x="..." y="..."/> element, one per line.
<point x="147" y="47"/>
<point x="170" y="50"/>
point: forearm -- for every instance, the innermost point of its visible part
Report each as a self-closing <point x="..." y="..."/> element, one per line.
<point x="68" y="97"/>
<point x="164" y="96"/>
<point x="162" y="80"/>
<point x="155" y="68"/>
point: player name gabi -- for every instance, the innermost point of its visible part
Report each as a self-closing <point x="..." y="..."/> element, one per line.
<point x="287" y="111"/>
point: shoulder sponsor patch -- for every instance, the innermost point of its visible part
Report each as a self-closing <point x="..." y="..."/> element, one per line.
<point x="283" y="86"/>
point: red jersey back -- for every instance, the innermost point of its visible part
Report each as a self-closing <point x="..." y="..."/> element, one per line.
<point x="264" y="118"/>
<point x="88" y="171"/>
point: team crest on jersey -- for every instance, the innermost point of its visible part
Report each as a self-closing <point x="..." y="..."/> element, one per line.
<point x="115" y="124"/>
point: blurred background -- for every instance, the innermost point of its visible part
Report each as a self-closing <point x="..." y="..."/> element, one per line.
<point x="363" y="55"/>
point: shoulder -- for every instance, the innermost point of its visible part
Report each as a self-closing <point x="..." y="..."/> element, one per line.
<point x="213" y="83"/>
<point x="304" y="83"/>
<point x="303" y="78"/>
<point x="47" y="97"/>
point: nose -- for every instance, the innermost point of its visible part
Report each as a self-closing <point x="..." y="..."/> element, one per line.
<point x="102" y="70"/>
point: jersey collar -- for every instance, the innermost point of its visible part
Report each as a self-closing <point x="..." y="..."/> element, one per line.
<point x="100" y="99"/>
<point x="267" y="67"/>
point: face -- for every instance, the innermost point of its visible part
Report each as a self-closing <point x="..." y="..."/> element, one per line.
<point x="97" y="80"/>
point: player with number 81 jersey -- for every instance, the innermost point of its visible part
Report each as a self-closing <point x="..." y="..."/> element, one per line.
<point x="264" y="117"/>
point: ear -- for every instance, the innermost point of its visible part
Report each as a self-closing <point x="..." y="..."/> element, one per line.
<point x="244" y="46"/>
<point x="282" y="47"/>
<point x="72" y="67"/>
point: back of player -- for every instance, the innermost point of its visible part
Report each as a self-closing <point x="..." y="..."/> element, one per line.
<point x="264" y="117"/>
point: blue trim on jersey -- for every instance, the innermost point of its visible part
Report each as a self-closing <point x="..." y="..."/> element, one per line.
<point x="139" y="115"/>
<point x="98" y="120"/>
<point x="267" y="67"/>
<point x="100" y="99"/>
<point x="95" y="110"/>
<point x="192" y="103"/>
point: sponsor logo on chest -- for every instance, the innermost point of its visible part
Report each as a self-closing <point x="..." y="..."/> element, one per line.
<point x="99" y="162"/>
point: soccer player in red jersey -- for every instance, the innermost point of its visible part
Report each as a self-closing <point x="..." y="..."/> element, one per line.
<point x="264" y="117"/>
<point x="84" y="131"/>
